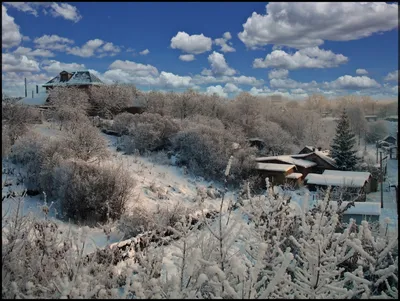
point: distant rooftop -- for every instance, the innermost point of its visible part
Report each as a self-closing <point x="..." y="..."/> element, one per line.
<point x="75" y="78"/>
<point x="274" y="167"/>
<point x="38" y="99"/>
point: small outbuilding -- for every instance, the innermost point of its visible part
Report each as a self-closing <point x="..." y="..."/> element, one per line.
<point x="276" y="173"/>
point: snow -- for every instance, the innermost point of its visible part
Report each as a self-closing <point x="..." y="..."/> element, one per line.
<point x="363" y="208"/>
<point x="335" y="180"/>
<point x="37" y="100"/>
<point x="274" y="167"/>
<point x="288" y="159"/>
<point x="363" y="175"/>
<point x="294" y="175"/>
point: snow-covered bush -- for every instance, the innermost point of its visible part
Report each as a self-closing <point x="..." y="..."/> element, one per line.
<point x="122" y="123"/>
<point x="5" y="141"/>
<point x="149" y="132"/>
<point x="205" y="150"/>
<point x="92" y="193"/>
<point x="86" y="143"/>
<point x="43" y="260"/>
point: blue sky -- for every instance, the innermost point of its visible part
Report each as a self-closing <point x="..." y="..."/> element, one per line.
<point x="291" y="49"/>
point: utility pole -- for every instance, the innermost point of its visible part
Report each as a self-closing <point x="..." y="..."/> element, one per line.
<point x="380" y="157"/>
<point x="376" y="144"/>
<point x="26" y="91"/>
<point x="32" y="93"/>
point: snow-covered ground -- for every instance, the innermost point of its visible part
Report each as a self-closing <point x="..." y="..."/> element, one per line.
<point x="155" y="185"/>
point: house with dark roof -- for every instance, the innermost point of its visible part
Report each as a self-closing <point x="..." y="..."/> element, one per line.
<point x="322" y="160"/>
<point x="80" y="79"/>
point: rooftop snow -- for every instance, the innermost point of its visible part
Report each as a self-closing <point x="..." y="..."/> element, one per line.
<point x="362" y="174"/>
<point x="274" y="167"/>
<point x="320" y="154"/>
<point x="38" y="99"/>
<point x="363" y="208"/>
<point x="295" y="175"/>
<point x="335" y="180"/>
<point x="289" y="160"/>
<point x="78" y="78"/>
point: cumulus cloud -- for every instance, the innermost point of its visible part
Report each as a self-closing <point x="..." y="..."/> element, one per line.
<point x="54" y="67"/>
<point x="13" y="82"/>
<point x="288" y="83"/>
<point x="63" y="10"/>
<point x="348" y="82"/>
<point x="186" y="57"/>
<point x="361" y="71"/>
<point x="66" y="11"/>
<point x="144" y="52"/>
<point x="53" y="42"/>
<point x="170" y="80"/>
<point x="306" y="24"/>
<point x="218" y="90"/>
<point x="219" y="65"/>
<point x="392" y="76"/>
<point x="18" y="63"/>
<point x="278" y="73"/>
<point x="194" y="44"/>
<point x="265" y="92"/>
<point x="231" y="88"/>
<point x="10" y="35"/>
<point x="135" y="69"/>
<point x="29" y="53"/>
<point x="223" y="42"/>
<point x="313" y="57"/>
<point x="87" y="50"/>
<point x="108" y="49"/>
<point x="237" y="80"/>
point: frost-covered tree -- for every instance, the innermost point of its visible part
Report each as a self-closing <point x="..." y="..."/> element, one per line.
<point x="342" y="147"/>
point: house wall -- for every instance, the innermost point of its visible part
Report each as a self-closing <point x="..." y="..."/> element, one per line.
<point x="359" y="218"/>
<point x="275" y="177"/>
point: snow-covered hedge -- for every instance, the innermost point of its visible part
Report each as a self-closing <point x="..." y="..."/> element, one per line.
<point x="91" y="193"/>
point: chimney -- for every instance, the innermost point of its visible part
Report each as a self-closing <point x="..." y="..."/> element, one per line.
<point x="37" y="89"/>
<point x="319" y="148"/>
<point x="26" y="91"/>
<point x="313" y="149"/>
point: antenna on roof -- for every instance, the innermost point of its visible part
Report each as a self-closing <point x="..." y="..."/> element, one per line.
<point x="37" y="89"/>
<point x="26" y="91"/>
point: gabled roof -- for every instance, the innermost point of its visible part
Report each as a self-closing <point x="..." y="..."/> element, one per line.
<point x="77" y="78"/>
<point x="289" y="160"/>
<point x="335" y="180"/>
<point x="359" y="174"/>
<point x="388" y="136"/>
<point x="274" y="167"/>
<point x="321" y="155"/>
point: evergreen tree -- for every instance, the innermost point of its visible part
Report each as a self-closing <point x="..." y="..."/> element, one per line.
<point x="342" y="147"/>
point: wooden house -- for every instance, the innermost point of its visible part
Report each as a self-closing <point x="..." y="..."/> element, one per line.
<point x="322" y="160"/>
<point x="390" y="139"/>
<point x="303" y="167"/>
<point x="276" y="173"/>
<point x="364" y="175"/>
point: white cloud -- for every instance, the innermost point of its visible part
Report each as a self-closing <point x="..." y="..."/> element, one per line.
<point x="194" y="44"/>
<point x="135" y="69"/>
<point x="54" y="67"/>
<point x="223" y="42"/>
<point x="144" y="52"/>
<point x="13" y="82"/>
<point x="278" y="73"/>
<point x="29" y="53"/>
<point x="170" y="80"/>
<point x="10" y="36"/>
<point x="265" y="91"/>
<point x="216" y="90"/>
<point x="348" y="82"/>
<point x="108" y="49"/>
<point x="361" y="71"/>
<point x="53" y="42"/>
<point x="18" y="63"/>
<point x="87" y="50"/>
<point x="238" y="80"/>
<point x="306" y="24"/>
<point x="186" y="57"/>
<point x="231" y="88"/>
<point x="288" y="83"/>
<point x="65" y="11"/>
<point x="392" y="76"/>
<point x="304" y="58"/>
<point x="219" y="65"/>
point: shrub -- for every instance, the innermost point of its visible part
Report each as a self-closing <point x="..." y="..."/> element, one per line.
<point x="86" y="143"/>
<point x="5" y="142"/>
<point x="206" y="150"/>
<point x="122" y="123"/>
<point x="92" y="193"/>
<point x="150" y="132"/>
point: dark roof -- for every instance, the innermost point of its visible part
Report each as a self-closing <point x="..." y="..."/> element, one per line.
<point x="78" y="78"/>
